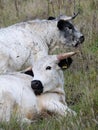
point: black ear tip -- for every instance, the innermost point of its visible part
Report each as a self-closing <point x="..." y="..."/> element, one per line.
<point x="64" y="64"/>
<point x="61" y="24"/>
<point x="29" y="72"/>
<point x="51" y="18"/>
<point x="69" y="61"/>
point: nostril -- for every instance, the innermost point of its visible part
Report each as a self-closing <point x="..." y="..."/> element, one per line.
<point x="36" y="84"/>
<point x="82" y="39"/>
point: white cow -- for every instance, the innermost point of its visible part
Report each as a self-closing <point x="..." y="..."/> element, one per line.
<point x="28" y="97"/>
<point x="23" y="43"/>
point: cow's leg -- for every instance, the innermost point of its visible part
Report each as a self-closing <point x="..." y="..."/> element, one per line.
<point x="58" y="108"/>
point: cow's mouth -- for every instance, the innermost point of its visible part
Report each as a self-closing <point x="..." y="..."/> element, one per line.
<point x="79" y="41"/>
<point x="77" y="44"/>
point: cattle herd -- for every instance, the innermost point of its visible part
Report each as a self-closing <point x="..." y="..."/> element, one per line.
<point x="31" y="80"/>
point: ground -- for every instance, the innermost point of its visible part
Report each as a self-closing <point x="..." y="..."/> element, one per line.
<point x="81" y="79"/>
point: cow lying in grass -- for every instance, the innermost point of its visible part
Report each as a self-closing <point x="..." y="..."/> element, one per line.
<point x="28" y="97"/>
<point x="23" y="43"/>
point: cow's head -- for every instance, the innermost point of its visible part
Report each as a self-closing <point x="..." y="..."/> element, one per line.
<point x="68" y="33"/>
<point x="48" y="74"/>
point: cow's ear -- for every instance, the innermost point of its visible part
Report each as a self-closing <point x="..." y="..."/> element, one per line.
<point x="29" y="72"/>
<point x="61" y="24"/>
<point x="51" y="18"/>
<point x="64" y="64"/>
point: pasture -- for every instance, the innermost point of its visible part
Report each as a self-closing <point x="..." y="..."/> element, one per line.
<point x="81" y="79"/>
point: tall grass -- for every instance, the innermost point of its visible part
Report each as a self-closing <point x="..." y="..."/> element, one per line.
<point x="81" y="80"/>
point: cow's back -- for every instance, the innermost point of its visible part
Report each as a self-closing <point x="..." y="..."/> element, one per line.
<point x="20" y="47"/>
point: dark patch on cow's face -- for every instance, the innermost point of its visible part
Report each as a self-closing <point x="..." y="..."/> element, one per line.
<point x="37" y="87"/>
<point x="71" y="34"/>
<point x="29" y="72"/>
<point x="63" y="24"/>
<point x="51" y="18"/>
<point x="64" y="64"/>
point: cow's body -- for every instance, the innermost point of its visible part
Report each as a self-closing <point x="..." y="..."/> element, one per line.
<point x="46" y="95"/>
<point x="19" y="48"/>
<point x="17" y="97"/>
<point x="23" y="43"/>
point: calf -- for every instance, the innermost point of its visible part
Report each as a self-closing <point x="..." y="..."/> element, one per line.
<point x="23" y="43"/>
<point x="17" y="96"/>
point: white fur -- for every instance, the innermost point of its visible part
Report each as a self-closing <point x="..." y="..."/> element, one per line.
<point x="23" y="43"/>
<point x="17" y="96"/>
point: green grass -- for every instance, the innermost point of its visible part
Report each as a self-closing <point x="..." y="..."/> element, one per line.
<point x="81" y="79"/>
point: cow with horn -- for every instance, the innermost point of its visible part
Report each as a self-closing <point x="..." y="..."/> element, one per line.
<point x="24" y="43"/>
<point x="27" y="98"/>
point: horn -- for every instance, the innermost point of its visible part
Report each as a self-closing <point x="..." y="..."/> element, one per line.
<point x="66" y="55"/>
<point x="28" y="69"/>
<point x="75" y="15"/>
<point x="63" y="17"/>
<point x="66" y="18"/>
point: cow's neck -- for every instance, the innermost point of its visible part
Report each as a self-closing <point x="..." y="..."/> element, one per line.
<point x="48" y="32"/>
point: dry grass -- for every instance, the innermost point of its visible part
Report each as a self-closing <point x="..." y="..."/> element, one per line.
<point x="81" y="80"/>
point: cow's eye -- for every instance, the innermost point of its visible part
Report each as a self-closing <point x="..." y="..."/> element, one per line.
<point x="48" y="68"/>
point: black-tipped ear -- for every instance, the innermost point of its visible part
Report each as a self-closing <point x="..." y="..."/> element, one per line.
<point x="29" y="72"/>
<point x="61" y="24"/>
<point x="64" y="64"/>
<point x="51" y="18"/>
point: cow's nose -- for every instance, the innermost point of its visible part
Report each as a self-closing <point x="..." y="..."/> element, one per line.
<point x="37" y="87"/>
<point x="81" y="39"/>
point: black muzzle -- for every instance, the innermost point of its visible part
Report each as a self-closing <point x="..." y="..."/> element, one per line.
<point x="37" y="87"/>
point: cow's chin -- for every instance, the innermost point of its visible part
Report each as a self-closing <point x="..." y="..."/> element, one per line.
<point x="37" y="92"/>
